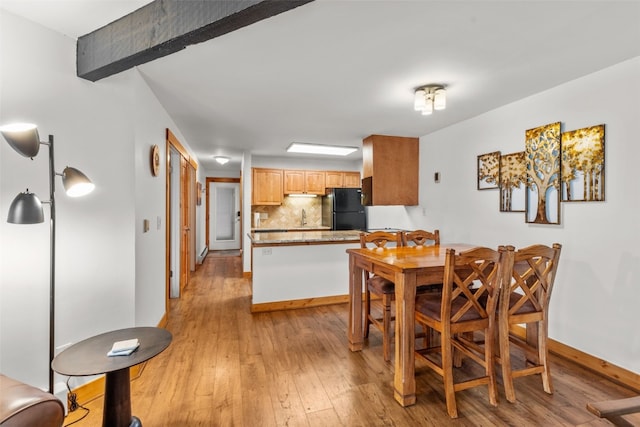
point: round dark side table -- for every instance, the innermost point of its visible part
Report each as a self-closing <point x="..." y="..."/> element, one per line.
<point x="89" y="357"/>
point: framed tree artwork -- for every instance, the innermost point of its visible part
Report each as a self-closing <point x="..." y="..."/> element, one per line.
<point x="489" y="171"/>
<point x="583" y="165"/>
<point x="513" y="181"/>
<point x="542" y="161"/>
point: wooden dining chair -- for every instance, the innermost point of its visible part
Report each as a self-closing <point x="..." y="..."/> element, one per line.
<point x="382" y="288"/>
<point x="423" y="238"/>
<point x="467" y="304"/>
<point x="524" y="299"/>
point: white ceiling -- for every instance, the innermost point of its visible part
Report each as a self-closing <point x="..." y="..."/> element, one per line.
<point x="336" y="71"/>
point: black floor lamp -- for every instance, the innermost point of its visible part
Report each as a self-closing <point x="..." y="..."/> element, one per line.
<point x="26" y="208"/>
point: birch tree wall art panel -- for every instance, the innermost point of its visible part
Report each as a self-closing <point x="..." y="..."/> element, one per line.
<point x="583" y="165"/>
<point x="513" y="182"/>
<point x="542" y="157"/>
<point x="489" y="170"/>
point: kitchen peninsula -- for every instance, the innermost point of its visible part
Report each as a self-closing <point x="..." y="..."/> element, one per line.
<point x="297" y="269"/>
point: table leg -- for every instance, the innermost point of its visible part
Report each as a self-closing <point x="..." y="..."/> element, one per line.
<point x="356" y="339"/>
<point x="117" y="400"/>
<point x="404" y="380"/>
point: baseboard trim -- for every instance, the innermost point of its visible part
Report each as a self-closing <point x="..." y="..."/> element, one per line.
<point x="94" y="389"/>
<point x="608" y="370"/>
<point x="299" y="303"/>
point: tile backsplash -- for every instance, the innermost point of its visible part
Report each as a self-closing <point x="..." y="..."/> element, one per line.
<point x="289" y="213"/>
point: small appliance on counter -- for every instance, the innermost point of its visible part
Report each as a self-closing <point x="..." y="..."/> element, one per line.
<point x="342" y="209"/>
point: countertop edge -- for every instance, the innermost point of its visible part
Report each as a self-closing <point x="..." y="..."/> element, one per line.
<point x="304" y="238"/>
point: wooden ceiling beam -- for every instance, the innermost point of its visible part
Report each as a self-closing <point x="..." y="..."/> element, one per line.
<point x="164" y="27"/>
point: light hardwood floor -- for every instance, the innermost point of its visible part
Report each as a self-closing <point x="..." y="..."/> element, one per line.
<point x="227" y="367"/>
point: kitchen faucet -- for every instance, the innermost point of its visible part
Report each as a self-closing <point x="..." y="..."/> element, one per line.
<point x="303" y="219"/>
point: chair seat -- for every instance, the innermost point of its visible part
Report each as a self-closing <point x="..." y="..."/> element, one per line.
<point x="380" y="285"/>
<point x="430" y="306"/>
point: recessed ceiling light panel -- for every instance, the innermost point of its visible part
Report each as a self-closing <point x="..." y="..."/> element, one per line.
<point x="331" y="150"/>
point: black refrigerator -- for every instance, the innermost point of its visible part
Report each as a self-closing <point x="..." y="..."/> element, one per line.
<point x="342" y="209"/>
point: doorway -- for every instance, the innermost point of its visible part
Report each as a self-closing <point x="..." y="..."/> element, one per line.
<point x="180" y="223"/>
<point x="223" y="220"/>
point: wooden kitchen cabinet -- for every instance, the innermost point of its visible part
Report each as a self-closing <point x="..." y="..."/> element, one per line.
<point x="304" y="182"/>
<point x="267" y="186"/>
<point x="338" y="179"/>
<point x="390" y="170"/>
<point x="352" y="180"/>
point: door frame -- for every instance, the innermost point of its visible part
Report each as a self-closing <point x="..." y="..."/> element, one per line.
<point x="187" y="213"/>
<point x="209" y="180"/>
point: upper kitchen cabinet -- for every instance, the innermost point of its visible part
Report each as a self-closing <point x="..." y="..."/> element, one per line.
<point x="390" y="170"/>
<point x="337" y="179"/>
<point x="304" y="182"/>
<point x="266" y="186"/>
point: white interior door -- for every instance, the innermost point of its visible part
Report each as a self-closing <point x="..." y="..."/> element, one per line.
<point x="224" y="215"/>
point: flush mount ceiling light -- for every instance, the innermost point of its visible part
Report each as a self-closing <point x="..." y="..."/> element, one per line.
<point x="429" y="98"/>
<point x="221" y="159"/>
<point x="332" y="150"/>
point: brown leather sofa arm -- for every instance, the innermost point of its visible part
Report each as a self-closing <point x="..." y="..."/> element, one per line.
<point x="22" y="405"/>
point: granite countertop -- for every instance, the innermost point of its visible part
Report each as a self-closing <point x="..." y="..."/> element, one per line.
<point x="305" y="237"/>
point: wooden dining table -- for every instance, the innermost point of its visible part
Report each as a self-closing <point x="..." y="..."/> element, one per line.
<point x="407" y="267"/>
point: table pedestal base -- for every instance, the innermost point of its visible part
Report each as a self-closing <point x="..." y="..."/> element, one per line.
<point x="117" y="400"/>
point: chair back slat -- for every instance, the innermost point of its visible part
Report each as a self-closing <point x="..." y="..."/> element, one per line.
<point x="471" y="283"/>
<point x="421" y="237"/>
<point x="532" y="270"/>
<point x="380" y="239"/>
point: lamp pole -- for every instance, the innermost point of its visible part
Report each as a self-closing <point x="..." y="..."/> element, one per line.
<point x="52" y="262"/>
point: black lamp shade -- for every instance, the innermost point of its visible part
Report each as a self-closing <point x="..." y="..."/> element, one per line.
<point x="23" y="138"/>
<point x="26" y="208"/>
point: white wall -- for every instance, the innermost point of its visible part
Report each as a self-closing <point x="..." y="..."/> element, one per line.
<point x="95" y="240"/>
<point x="150" y="124"/>
<point x="220" y="172"/>
<point x="109" y="274"/>
<point x="595" y="299"/>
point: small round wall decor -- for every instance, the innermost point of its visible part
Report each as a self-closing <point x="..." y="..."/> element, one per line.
<point x="155" y="160"/>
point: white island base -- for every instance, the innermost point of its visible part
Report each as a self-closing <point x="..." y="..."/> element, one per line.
<point x="297" y="276"/>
